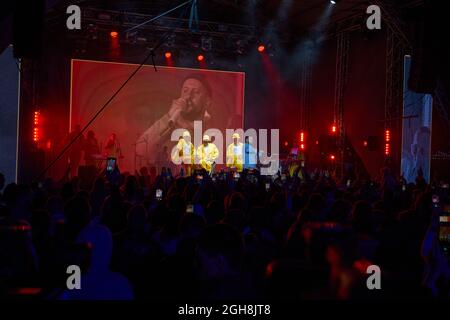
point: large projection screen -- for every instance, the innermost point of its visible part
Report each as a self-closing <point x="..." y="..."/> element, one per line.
<point x="416" y="136"/>
<point x="9" y="114"/>
<point x="143" y="107"/>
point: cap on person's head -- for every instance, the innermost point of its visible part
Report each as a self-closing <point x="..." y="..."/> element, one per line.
<point x="186" y="134"/>
<point x="206" y="138"/>
<point x="236" y="135"/>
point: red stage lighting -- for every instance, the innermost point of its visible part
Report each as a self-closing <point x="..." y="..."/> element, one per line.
<point x="35" y="128"/>
<point x="200" y="57"/>
<point x="261" y="48"/>
<point x="332" y="157"/>
<point x="286" y="143"/>
<point x="365" y="143"/>
<point x="387" y="135"/>
<point x="35" y="135"/>
<point x="26" y="291"/>
<point x="168" y="55"/>
<point x="333" y="128"/>
<point x="302" y="140"/>
<point x="387" y="139"/>
<point x="113" y="34"/>
<point x="36" y="118"/>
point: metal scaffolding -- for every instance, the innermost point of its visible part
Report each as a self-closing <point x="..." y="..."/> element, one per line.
<point x="342" y="55"/>
<point x="393" y="20"/>
<point x="223" y="37"/>
<point x="393" y="108"/>
<point x="397" y="45"/>
<point x="305" y="92"/>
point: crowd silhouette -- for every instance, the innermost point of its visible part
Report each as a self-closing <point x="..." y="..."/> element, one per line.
<point x="221" y="237"/>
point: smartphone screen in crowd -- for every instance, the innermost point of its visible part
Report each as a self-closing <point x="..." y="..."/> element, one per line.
<point x="435" y="200"/>
<point x="110" y="164"/>
<point x="159" y="194"/>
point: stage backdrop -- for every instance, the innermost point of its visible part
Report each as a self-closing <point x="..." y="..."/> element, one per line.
<point x="9" y="113"/>
<point x="140" y="112"/>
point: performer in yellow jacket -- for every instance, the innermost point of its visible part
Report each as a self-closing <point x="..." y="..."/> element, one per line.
<point x="184" y="153"/>
<point x="235" y="154"/>
<point x="207" y="154"/>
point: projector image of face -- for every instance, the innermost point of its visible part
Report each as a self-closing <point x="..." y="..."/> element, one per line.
<point x="192" y="104"/>
<point x="140" y="158"/>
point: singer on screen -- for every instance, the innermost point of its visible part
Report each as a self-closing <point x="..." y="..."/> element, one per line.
<point x="192" y="105"/>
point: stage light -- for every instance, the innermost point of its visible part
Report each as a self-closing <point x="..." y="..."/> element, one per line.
<point x="302" y="140"/>
<point x="35" y="127"/>
<point x="113" y="34"/>
<point x="317" y="142"/>
<point x="261" y="48"/>
<point x="387" y="135"/>
<point x="332" y="157"/>
<point x="200" y="57"/>
<point x="332" y="2"/>
<point x="168" y="55"/>
<point x="286" y="143"/>
<point x="365" y="143"/>
<point x="36" y="118"/>
<point x="35" y="135"/>
<point x="387" y="140"/>
<point x="333" y="128"/>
